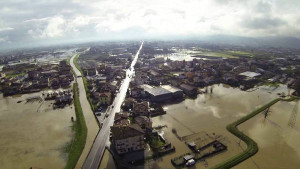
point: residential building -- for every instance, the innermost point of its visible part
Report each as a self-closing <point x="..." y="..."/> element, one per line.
<point x="128" y="138"/>
<point x="188" y="90"/>
<point x="140" y="109"/>
<point x="105" y="98"/>
<point x="144" y="122"/>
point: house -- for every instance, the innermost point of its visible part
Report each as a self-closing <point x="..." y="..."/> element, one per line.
<point x="128" y="104"/>
<point x="121" y="119"/>
<point x="188" y="90"/>
<point x="137" y="92"/>
<point x="33" y="75"/>
<point x="249" y="75"/>
<point x="63" y="63"/>
<point x="140" y="109"/>
<point x="128" y="138"/>
<point x="55" y="83"/>
<point x="2" y="76"/>
<point x="105" y="98"/>
<point x="89" y="71"/>
<point x="144" y="122"/>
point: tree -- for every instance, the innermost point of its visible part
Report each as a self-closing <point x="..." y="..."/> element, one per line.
<point x="297" y="86"/>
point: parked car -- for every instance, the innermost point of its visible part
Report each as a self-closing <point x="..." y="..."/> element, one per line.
<point x="191" y="162"/>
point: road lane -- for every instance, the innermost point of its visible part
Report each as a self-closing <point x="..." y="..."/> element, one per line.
<point x="94" y="158"/>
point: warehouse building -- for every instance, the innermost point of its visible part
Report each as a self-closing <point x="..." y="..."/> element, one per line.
<point x="158" y="94"/>
<point x="177" y="93"/>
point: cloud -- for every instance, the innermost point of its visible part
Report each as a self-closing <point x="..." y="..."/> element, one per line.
<point x="55" y="27"/>
<point x="6" y="29"/>
<point x="54" y="20"/>
<point x="49" y="27"/>
<point x="263" y="23"/>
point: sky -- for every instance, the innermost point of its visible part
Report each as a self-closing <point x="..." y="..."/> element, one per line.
<point x="39" y="22"/>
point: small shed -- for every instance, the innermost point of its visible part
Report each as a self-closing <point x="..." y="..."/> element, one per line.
<point x="188" y="157"/>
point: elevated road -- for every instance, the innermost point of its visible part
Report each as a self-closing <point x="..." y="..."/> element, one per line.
<point x="95" y="155"/>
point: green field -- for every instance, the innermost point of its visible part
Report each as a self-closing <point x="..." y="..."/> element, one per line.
<point x="14" y="75"/>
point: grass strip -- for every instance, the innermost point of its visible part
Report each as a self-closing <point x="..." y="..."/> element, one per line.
<point x="252" y="147"/>
<point x="79" y="127"/>
<point x="85" y="83"/>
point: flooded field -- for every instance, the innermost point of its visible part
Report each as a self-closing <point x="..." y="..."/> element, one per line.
<point x="180" y="56"/>
<point x="107" y="161"/>
<point x="277" y="139"/>
<point x="187" y="55"/>
<point x="33" y="134"/>
<point x="210" y="113"/>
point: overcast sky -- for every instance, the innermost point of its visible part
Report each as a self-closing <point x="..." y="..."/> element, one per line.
<point x="53" y="21"/>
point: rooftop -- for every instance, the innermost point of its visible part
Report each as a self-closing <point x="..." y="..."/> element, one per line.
<point x="157" y="91"/>
<point x="250" y="74"/>
<point x="171" y="88"/>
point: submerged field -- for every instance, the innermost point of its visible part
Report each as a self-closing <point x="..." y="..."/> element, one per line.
<point x="211" y="113"/>
<point x="33" y="134"/>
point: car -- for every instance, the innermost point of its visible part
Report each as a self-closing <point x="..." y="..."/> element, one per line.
<point x="190" y="162"/>
<point x="106" y="115"/>
<point x="98" y="113"/>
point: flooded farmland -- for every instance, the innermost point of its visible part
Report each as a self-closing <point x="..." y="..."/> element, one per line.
<point x="33" y="134"/>
<point x="210" y="113"/>
<point x="278" y="139"/>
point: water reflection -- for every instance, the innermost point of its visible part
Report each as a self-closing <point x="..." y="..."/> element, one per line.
<point x="278" y="142"/>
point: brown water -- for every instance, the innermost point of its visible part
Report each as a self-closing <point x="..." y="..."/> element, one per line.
<point x="211" y="113"/>
<point x="107" y="161"/>
<point x="33" y="134"/>
<point x="279" y="144"/>
<point x="90" y="120"/>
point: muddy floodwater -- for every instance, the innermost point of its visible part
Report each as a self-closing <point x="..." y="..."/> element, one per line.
<point x="210" y="113"/>
<point x="277" y="136"/>
<point x="33" y="134"/>
<point x="107" y="161"/>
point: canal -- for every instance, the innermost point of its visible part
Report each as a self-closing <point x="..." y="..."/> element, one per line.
<point x="90" y="120"/>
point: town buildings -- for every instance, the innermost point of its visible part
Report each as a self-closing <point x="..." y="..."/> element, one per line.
<point x="128" y="138"/>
